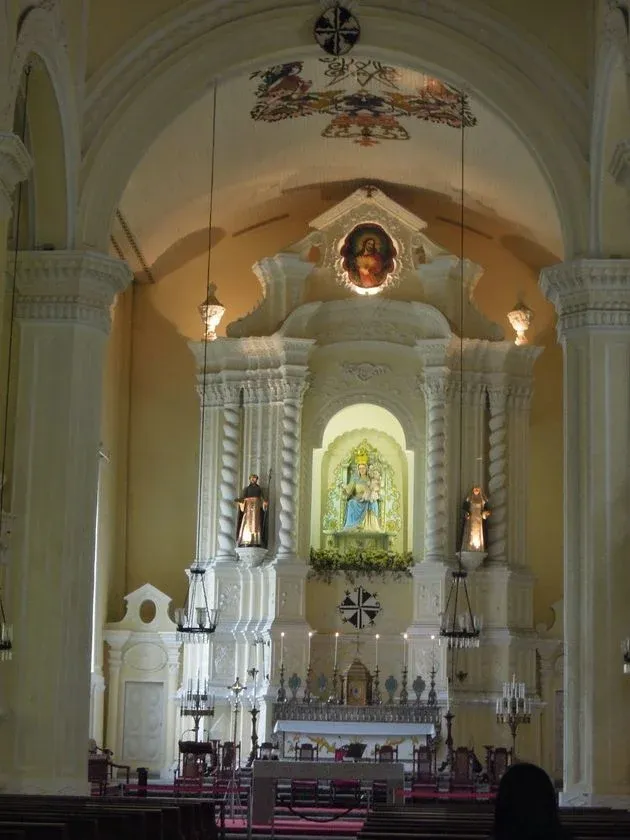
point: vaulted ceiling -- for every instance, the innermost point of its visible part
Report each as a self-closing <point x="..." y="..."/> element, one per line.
<point x="326" y="122"/>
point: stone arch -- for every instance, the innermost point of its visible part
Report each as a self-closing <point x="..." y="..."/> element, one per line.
<point x="610" y="128"/>
<point x="53" y="124"/>
<point x="135" y="97"/>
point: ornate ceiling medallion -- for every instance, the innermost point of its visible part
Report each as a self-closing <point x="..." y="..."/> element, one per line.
<point x="367" y="259"/>
<point x="337" y="30"/>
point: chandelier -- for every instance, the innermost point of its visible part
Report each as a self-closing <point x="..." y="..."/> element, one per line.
<point x="460" y="629"/>
<point x="195" y="622"/>
<point x="458" y="624"/>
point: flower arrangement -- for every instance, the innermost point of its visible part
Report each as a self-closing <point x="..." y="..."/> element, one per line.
<point x="369" y="563"/>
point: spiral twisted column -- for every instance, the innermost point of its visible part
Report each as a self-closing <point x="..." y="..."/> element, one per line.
<point x="294" y="390"/>
<point x="498" y="475"/>
<point x="437" y="392"/>
<point x="228" y="486"/>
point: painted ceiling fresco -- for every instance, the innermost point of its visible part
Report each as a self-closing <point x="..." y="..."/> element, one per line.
<point x="365" y="99"/>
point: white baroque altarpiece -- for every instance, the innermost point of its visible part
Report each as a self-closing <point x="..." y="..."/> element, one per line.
<point x="330" y="368"/>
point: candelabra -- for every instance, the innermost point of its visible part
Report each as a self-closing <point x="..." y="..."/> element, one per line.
<point x="404" y="695"/>
<point x="432" y="695"/>
<point x="197" y="704"/>
<point x="334" y="696"/>
<point x="376" y="688"/>
<point x="253" y="754"/>
<point x="281" y="696"/>
<point x="232" y="794"/>
<point x="514" y="708"/>
<point x="307" y="685"/>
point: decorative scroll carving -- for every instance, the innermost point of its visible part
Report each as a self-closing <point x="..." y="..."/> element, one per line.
<point x="364" y="371"/>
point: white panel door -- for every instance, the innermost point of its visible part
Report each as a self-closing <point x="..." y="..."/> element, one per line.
<point x="143" y="723"/>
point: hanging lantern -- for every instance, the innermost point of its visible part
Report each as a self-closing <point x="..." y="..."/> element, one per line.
<point x="195" y="622"/>
<point x="211" y="311"/>
<point x="459" y="626"/>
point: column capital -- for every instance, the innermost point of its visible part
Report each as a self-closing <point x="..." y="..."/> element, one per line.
<point x="589" y="294"/>
<point x="436" y="384"/>
<point x="69" y="286"/>
<point x="15" y="164"/>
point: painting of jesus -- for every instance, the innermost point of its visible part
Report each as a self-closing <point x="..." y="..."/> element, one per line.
<point x="368" y="255"/>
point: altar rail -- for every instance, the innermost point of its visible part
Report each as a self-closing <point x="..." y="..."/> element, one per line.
<point x="357" y="714"/>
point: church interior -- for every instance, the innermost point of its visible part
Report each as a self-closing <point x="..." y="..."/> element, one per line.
<point x="314" y="380"/>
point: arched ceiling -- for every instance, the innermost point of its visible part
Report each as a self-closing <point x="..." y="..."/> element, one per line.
<point x="320" y="122"/>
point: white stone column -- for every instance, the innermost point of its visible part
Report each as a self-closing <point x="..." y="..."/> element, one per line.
<point x="172" y="750"/>
<point x="498" y="473"/>
<point x="592" y="298"/>
<point x="228" y="488"/>
<point x="519" y="409"/>
<point x="97" y="705"/>
<point x="116" y="641"/>
<point x="294" y="389"/>
<point x="64" y="316"/>
<point x="437" y="390"/>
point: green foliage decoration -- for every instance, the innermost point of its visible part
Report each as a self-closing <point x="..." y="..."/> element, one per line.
<point x="365" y="563"/>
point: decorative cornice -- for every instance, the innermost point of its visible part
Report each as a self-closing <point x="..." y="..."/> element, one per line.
<point x="69" y="286"/>
<point x="619" y="166"/>
<point x="15" y="165"/>
<point x="589" y="294"/>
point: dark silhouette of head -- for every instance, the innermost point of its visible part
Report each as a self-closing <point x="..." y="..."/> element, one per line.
<point x="526" y="807"/>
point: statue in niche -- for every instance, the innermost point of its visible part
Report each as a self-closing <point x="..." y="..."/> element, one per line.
<point x="363" y="495"/>
<point x="476" y="512"/>
<point x="363" y="508"/>
<point x="251" y="528"/>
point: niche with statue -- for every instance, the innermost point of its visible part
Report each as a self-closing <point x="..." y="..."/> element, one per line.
<point x="363" y="502"/>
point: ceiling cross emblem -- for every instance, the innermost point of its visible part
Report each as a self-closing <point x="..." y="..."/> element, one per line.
<point x="337" y="30"/>
<point x="359" y="608"/>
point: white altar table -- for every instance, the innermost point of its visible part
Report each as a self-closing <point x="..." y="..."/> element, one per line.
<point x="329" y="734"/>
<point x="266" y="773"/>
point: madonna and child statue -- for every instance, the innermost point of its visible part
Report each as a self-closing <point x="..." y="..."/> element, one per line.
<point x="363" y="505"/>
<point x="363" y="497"/>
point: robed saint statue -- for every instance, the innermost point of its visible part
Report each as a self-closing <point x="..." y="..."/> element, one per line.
<point x="251" y="528"/>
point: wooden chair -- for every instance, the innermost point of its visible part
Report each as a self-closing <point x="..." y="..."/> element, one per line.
<point x="101" y="769"/>
<point x="229" y="757"/>
<point x="424" y="767"/>
<point x="344" y="791"/>
<point x="498" y="759"/>
<point x="385" y="754"/>
<point x="305" y="789"/>
<point x="461" y="777"/>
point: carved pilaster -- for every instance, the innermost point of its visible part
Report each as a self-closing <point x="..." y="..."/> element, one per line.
<point x="15" y="165"/>
<point x="436" y="387"/>
<point x="69" y="287"/>
<point x="295" y="388"/>
<point x="228" y="488"/>
<point x="497" y="471"/>
<point x="592" y="298"/>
